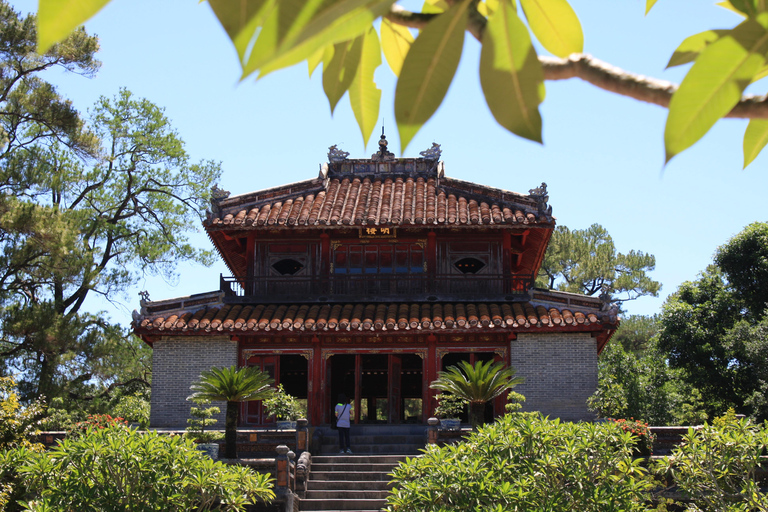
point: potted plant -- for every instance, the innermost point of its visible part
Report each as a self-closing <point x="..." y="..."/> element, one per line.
<point x="284" y="407"/>
<point x="449" y="409"/>
<point x="201" y="418"/>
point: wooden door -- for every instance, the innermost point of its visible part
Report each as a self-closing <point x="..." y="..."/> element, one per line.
<point x="253" y="413"/>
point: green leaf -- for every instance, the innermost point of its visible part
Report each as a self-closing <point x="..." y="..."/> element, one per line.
<point x="730" y="7"/>
<point x="555" y="25"/>
<point x="428" y="70"/>
<point x="511" y="75"/>
<point x="56" y="19"/>
<point x="435" y="6"/>
<point x="692" y="46"/>
<point x="364" y="96"/>
<point x="332" y="22"/>
<point x="744" y="7"/>
<point x="755" y="139"/>
<point x="316" y="59"/>
<point x="714" y="84"/>
<point x="649" y="5"/>
<point x="240" y="19"/>
<point x="340" y="70"/>
<point x="396" y="40"/>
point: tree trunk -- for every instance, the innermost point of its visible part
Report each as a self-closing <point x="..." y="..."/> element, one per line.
<point x="477" y="414"/>
<point x="48" y="367"/>
<point x="230" y="432"/>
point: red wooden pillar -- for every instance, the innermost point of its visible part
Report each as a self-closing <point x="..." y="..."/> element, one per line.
<point x="506" y="257"/>
<point x="432" y="261"/>
<point x="325" y="254"/>
<point x="430" y="374"/>
<point x="500" y="401"/>
<point x="358" y="384"/>
<point x="316" y="385"/>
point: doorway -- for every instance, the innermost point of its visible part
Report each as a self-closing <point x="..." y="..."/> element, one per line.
<point x="289" y="370"/>
<point x="383" y="388"/>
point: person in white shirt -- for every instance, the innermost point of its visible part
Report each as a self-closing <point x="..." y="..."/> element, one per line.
<point x="343" y="414"/>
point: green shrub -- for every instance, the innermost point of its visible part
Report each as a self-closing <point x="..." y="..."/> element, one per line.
<point x="715" y="465"/>
<point x="134" y="408"/>
<point x="17" y="423"/>
<point x="283" y="406"/>
<point x="116" y="468"/>
<point x="202" y="417"/>
<point x="13" y="486"/>
<point x="526" y="462"/>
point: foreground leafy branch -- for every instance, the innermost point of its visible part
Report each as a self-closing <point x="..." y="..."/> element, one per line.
<point x="342" y="36"/>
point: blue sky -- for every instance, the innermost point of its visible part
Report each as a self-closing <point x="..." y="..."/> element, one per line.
<point x="602" y="156"/>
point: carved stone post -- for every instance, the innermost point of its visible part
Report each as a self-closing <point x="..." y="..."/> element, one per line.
<point x="301" y="434"/>
<point x="281" y="461"/>
<point x="432" y="430"/>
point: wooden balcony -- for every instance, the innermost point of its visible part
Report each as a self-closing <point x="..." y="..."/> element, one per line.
<point x="377" y="288"/>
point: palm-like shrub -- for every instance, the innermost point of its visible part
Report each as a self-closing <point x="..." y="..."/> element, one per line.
<point x="232" y="385"/>
<point x="477" y="384"/>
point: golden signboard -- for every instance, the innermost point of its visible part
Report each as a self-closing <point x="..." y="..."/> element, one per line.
<point x="378" y="232"/>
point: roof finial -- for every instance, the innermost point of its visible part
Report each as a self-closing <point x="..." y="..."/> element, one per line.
<point x="383" y="155"/>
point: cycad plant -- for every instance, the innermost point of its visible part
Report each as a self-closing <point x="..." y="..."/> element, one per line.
<point x="477" y="384"/>
<point x="232" y="385"/>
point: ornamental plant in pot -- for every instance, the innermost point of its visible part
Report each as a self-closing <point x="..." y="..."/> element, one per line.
<point x="449" y="409"/>
<point x="284" y="407"/>
<point x="201" y="418"/>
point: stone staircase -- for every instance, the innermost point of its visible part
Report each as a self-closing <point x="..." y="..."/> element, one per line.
<point x="376" y="440"/>
<point x="360" y="481"/>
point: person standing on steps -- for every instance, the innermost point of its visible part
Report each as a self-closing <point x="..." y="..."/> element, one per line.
<point x="343" y="413"/>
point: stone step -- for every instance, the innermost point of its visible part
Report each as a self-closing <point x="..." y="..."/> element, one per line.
<point x="336" y="485"/>
<point x="338" y="494"/>
<point x="324" y="467"/>
<point x="378" y="439"/>
<point x="358" y="459"/>
<point x="376" y="449"/>
<point x="336" y="505"/>
<point x="351" y="476"/>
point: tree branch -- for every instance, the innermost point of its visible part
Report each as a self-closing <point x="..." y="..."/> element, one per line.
<point x="638" y="87"/>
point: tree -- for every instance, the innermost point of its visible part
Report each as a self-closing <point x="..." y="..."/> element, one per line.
<point x="232" y="385"/>
<point x="635" y="332"/>
<point x="744" y="261"/>
<point x="585" y="261"/>
<point x="269" y="35"/>
<point x="477" y="384"/>
<point x="640" y="385"/>
<point x="714" y="329"/>
<point x="84" y="210"/>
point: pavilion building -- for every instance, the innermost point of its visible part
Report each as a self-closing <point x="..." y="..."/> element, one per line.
<point x="368" y="280"/>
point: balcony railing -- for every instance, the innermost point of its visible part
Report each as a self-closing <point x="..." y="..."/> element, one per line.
<point x="377" y="287"/>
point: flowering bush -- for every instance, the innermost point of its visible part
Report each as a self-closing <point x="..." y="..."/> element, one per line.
<point x="98" y="421"/>
<point x="641" y="431"/>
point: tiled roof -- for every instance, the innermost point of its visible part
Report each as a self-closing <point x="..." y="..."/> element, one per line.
<point x="356" y="201"/>
<point x="237" y="318"/>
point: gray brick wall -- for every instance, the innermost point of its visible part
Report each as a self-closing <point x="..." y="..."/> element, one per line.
<point x="176" y="364"/>
<point x="560" y="371"/>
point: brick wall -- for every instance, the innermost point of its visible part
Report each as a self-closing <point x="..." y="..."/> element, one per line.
<point x="560" y="371"/>
<point x="176" y="364"/>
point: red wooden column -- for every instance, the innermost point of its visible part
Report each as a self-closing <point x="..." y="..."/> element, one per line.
<point x="316" y="388"/>
<point x="506" y="263"/>
<point x="430" y="374"/>
<point x="358" y="383"/>
<point x="432" y="260"/>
